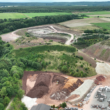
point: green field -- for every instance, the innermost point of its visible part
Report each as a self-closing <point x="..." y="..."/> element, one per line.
<point x="103" y="25"/>
<point x="45" y="14"/>
<point x="11" y="15"/>
<point x="29" y="15"/>
<point x="97" y="13"/>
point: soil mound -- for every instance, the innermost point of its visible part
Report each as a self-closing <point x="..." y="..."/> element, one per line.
<point x="69" y="86"/>
<point x="52" y="85"/>
<point x="100" y="78"/>
<point x="41" y="86"/>
<point x="59" y="79"/>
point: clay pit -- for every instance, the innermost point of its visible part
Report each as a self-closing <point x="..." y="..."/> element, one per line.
<point x="48" y="87"/>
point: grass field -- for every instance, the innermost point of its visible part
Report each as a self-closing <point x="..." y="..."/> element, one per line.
<point x="97" y="13"/>
<point x="29" y="15"/>
<point x="103" y="25"/>
<point x="11" y="15"/>
<point x="44" y="14"/>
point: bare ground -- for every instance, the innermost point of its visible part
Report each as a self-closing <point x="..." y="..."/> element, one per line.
<point x="98" y="51"/>
<point x="82" y="22"/>
<point x="56" y="83"/>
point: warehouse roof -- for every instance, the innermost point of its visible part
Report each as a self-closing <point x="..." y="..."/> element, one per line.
<point x="41" y="107"/>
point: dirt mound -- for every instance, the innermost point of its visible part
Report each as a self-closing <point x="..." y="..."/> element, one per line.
<point x="41" y="86"/>
<point x="69" y="86"/>
<point x="58" y="79"/>
<point x="53" y="85"/>
<point x="100" y="78"/>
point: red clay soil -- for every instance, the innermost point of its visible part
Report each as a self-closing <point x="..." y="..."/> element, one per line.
<point x="99" y="79"/>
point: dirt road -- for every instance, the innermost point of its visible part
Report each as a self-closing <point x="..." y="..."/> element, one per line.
<point x="69" y="41"/>
<point x="9" y="104"/>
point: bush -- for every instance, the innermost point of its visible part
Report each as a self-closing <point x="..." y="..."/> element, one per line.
<point x="64" y="69"/>
<point x="63" y="105"/>
<point x="17" y="70"/>
<point x="27" y="34"/>
<point x="6" y="101"/>
<point x="1" y="106"/>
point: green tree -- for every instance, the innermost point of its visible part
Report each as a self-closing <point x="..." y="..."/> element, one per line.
<point x="3" y="92"/>
<point x="6" y="101"/>
<point x="64" y="105"/>
<point x="1" y="106"/>
<point x="64" y="69"/>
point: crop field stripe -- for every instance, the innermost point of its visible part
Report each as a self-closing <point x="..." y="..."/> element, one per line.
<point x="28" y="15"/>
<point x="11" y="15"/>
<point x="45" y="14"/>
<point x="103" y="25"/>
<point x="97" y="13"/>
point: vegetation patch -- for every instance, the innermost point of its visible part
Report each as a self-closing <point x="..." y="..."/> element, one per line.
<point x="46" y="14"/>
<point x="103" y="25"/>
<point x="92" y="37"/>
<point x="96" y="13"/>
<point x="55" y="58"/>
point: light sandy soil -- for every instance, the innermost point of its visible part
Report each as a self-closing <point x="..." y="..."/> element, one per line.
<point x="9" y="37"/>
<point x="103" y="68"/>
<point x="68" y="42"/>
<point x="104" y="15"/>
<point x="82" y="22"/>
<point x="106" y="19"/>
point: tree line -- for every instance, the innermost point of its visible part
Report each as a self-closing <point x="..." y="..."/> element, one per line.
<point x="39" y="9"/>
<point x="13" y="24"/>
<point x="56" y="4"/>
<point x="90" y="39"/>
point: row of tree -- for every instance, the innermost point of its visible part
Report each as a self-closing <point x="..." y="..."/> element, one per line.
<point x="27" y="9"/>
<point x="104" y="31"/>
<point x="90" y="39"/>
<point x="10" y="25"/>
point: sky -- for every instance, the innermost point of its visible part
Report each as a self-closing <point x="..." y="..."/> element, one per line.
<point x="50" y="0"/>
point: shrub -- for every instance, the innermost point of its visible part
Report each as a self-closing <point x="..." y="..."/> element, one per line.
<point x="1" y="106"/>
<point x="64" y="69"/>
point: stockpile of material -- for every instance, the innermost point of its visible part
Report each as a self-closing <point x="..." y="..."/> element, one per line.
<point x="99" y="79"/>
<point x="41" y="86"/>
<point x="50" y="85"/>
<point x="69" y="86"/>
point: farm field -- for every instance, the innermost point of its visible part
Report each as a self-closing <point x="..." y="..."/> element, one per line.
<point x="82" y="22"/>
<point x="11" y="15"/>
<point x="97" y="13"/>
<point x="45" y="14"/>
<point x="29" y="15"/>
<point x="103" y="25"/>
